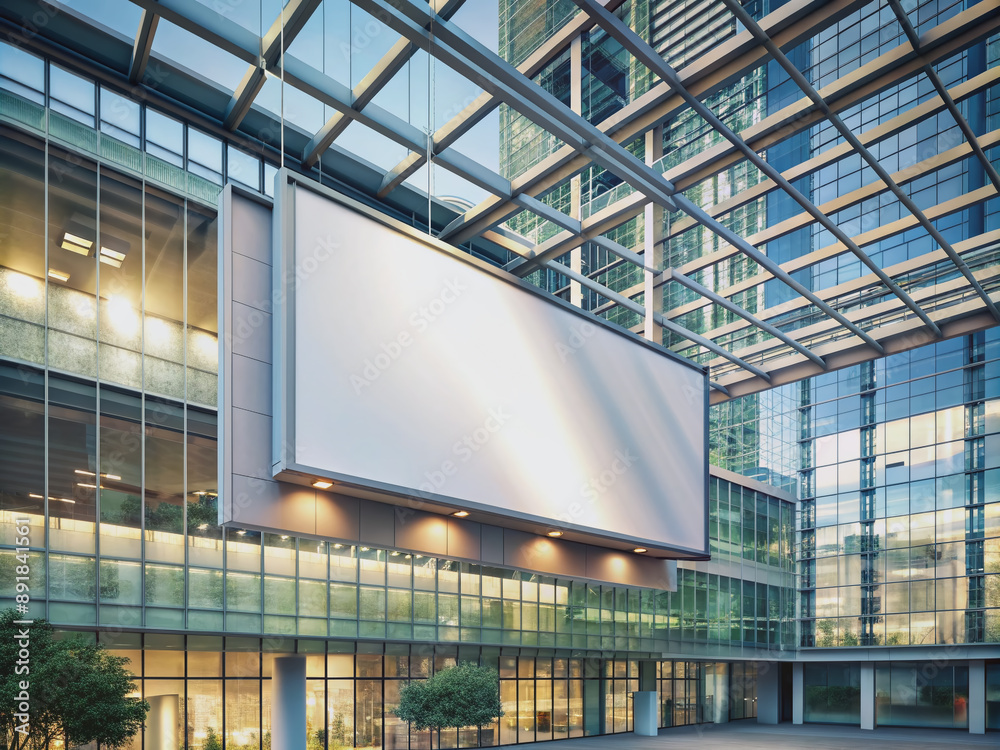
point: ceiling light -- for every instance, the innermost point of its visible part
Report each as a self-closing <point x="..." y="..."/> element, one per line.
<point x="202" y="526"/>
<point x="37" y="497"/>
<point x="460" y="513"/>
<point x="88" y="486"/>
<point x="555" y="533"/>
<point x="114" y="477"/>
<point x="84" y="472"/>
<point x="365" y="549"/>
<point x="338" y="545"/>
<point x="639" y="550"/>
<point x="322" y="484"/>
<point x="284" y="536"/>
<point x="242" y="532"/>
<point x="113" y="250"/>
<point x="394" y="553"/>
<point x="58" y="275"/>
<point x="63" y="500"/>
<point x="76" y="244"/>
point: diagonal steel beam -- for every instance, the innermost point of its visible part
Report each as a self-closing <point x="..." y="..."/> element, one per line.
<point x="465" y="120"/>
<point x="648" y="57"/>
<point x="390" y="64"/>
<point x="946" y="97"/>
<point x="286" y="27"/>
<point x="670" y="325"/>
<point x="142" y="46"/>
<point x="800" y="80"/>
<point x="471" y="59"/>
<point x="658" y="105"/>
<point x="674" y="275"/>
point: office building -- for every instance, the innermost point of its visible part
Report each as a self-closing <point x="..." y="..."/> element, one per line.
<point x="792" y="204"/>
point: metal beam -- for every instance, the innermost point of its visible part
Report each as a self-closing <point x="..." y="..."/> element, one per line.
<point x="390" y="64"/>
<point x="468" y="57"/>
<point x="694" y="286"/>
<point x="465" y="120"/>
<point x="949" y="102"/>
<point x="748" y="21"/>
<point x="670" y="325"/>
<point x="648" y="57"/>
<point x="286" y="27"/>
<point x="142" y="46"/>
<point x="722" y="65"/>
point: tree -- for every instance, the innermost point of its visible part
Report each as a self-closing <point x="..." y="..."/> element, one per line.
<point x="212" y="740"/>
<point x="463" y="696"/>
<point x="78" y="692"/>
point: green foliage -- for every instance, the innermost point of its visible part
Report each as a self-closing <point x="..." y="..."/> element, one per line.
<point x="212" y="740"/>
<point x="78" y="691"/>
<point x="463" y="696"/>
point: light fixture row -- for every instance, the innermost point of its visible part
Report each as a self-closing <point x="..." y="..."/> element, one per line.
<point x="325" y="484"/>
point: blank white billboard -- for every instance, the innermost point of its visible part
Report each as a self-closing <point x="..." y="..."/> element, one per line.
<point x="406" y="367"/>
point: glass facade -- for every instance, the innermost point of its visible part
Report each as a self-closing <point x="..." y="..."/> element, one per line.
<point x="109" y="347"/>
<point x="900" y="511"/>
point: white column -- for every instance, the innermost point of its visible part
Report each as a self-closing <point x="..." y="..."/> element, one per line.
<point x="977" y="696"/>
<point x="161" y="722"/>
<point x="798" y="692"/>
<point x="644" y="713"/>
<point x="288" y="703"/>
<point x="868" y="696"/>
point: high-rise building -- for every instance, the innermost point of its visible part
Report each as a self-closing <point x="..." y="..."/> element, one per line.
<point x="795" y="200"/>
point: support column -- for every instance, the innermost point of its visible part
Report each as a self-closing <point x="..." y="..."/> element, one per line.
<point x="977" y="696"/>
<point x="652" y="231"/>
<point x="288" y="703"/>
<point x="162" y="721"/>
<point x="798" y="692"/>
<point x="575" y="184"/>
<point x="768" y="692"/>
<point x="868" y="696"/>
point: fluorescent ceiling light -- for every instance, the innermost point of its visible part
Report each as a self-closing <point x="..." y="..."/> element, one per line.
<point x="76" y="244"/>
<point x="58" y="275"/>
<point x="322" y="484"/>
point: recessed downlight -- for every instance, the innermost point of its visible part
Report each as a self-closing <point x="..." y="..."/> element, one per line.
<point x="322" y="484"/>
<point x="639" y="550"/>
<point x="460" y="513"/>
<point x="555" y="533"/>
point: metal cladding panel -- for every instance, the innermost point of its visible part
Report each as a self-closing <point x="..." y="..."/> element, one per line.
<point x="415" y="371"/>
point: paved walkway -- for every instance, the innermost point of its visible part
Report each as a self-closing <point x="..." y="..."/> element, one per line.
<point x="748" y="735"/>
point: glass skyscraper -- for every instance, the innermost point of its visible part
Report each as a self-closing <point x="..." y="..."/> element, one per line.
<point x="800" y="196"/>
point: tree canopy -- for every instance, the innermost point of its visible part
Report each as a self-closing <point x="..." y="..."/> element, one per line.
<point x="466" y="695"/>
<point x="78" y="692"/>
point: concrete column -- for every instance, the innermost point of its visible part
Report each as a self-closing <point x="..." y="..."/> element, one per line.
<point x="868" y="696"/>
<point x="644" y="714"/>
<point x="798" y="693"/>
<point x="977" y="696"/>
<point x="161" y="722"/>
<point x="768" y="692"/>
<point x="288" y="703"/>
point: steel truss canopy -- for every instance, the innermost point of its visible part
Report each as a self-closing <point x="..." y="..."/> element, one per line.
<point x="756" y="317"/>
